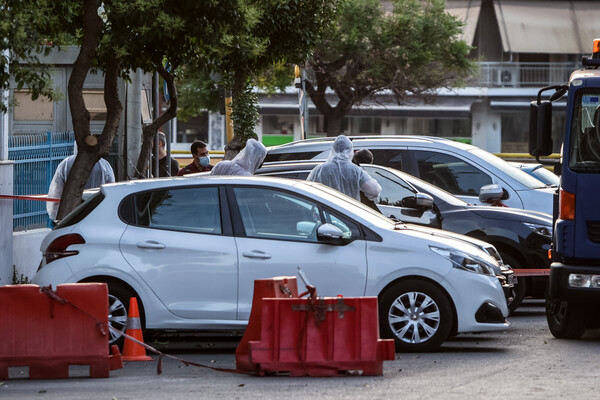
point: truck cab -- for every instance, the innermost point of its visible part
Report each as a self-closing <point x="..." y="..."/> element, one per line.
<point x="574" y="284"/>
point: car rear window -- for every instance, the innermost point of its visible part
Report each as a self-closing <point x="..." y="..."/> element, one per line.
<point x="82" y="211"/>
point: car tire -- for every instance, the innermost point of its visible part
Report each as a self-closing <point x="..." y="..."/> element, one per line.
<point x="520" y="288"/>
<point x="118" y="310"/>
<point x="566" y="320"/>
<point x="415" y="329"/>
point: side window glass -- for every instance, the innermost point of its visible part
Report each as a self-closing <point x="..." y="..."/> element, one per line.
<point x="186" y="209"/>
<point x="273" y="214"/>
<point x="450" y="173"/>
<point x="388" y="158"/>
<point x="393" y="189"/>
<point x="349" y="228"/>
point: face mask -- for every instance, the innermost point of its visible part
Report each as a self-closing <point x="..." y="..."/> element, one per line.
<point x="204" y="161"/>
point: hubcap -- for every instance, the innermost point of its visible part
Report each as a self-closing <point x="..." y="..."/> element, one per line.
<point x="414" y="317"/>
<point x="117" y="317"/>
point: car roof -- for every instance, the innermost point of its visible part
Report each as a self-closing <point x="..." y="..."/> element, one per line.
<point x="380" y="140"/>
<point x="139" y="185"/>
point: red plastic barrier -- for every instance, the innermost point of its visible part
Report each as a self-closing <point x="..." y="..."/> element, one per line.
<point x="320" y="338"/>
<point x="278" y="287"/>
<point x="47" y="335"/>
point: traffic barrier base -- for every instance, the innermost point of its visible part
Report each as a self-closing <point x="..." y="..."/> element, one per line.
<point x="315" y="336"/>
<point x="278" y="287"/>
<point x="47" y="335"/>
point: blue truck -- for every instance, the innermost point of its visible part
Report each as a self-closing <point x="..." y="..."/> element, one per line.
<point x="573" y="294"/>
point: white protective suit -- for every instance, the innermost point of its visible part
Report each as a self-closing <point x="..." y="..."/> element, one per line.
<point x="101" y="173"/>
<point x="341" y="174"/>
<point x="245" y="163"/>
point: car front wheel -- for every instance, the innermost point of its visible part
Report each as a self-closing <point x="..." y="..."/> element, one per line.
<point x="416" y="314"/>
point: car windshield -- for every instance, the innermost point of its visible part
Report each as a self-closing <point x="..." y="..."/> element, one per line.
<point x="514" y="172"/>
<point x="584" y="155"/>
<point x="435" y="192"/>
<point x="351" y="203"/>
<point x="546" y="176"/>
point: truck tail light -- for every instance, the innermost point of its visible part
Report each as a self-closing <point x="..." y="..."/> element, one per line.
<point x="566" y="205"/>
<point x="58" y="248"/>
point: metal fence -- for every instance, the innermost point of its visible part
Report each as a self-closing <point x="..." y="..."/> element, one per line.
<point x="36" y="156"/>
<point x="523" y="74"/>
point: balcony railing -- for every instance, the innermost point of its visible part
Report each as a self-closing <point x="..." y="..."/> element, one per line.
<point x="521" y="74"/>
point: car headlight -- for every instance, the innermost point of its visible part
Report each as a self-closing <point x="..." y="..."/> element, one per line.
<point x="543" y="230"/>
<point x="465" y="261"/>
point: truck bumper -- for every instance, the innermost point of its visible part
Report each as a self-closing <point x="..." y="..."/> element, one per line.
<point x="559" y="288"/>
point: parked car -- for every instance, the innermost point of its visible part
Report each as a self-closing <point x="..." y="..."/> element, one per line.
<point x="190" y="248"/>
<point x="521" y="237"/>
<point x="458" y="168"/>
<point x="538" y="171"/>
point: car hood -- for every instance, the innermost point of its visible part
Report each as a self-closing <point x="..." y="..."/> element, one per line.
<point x="480" y="245"/>
<point x="512" y="214"/>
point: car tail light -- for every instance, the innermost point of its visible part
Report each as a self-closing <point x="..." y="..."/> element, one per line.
<point x="566" y="205"/>
<point x="58" y="248"/>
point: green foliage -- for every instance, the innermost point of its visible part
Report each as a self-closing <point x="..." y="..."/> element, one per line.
<point x="19" y="279"/>
<point x="21" y="45"/>
<point x="411" y="51"/>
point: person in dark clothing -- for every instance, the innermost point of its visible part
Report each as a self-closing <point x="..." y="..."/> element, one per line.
<point x="364" y="156"/>
<point x="201" y="162"/>
<point x="162" y="158"/>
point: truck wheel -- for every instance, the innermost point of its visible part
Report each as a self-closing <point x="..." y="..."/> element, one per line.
<point x="416" y="314"/>
<point x="566" y="320"/>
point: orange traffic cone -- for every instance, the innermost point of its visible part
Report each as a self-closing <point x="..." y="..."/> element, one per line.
<point x="133" y="351"/>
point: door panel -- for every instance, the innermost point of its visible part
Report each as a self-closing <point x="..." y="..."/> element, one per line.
<point x="176" y="246"/>
<point x="279" y="235"/>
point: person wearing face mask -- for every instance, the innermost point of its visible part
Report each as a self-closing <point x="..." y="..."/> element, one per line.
<point x="201" y="161"/>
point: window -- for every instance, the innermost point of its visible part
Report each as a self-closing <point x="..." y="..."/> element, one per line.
<point x="272" y="214"/>
<point x="450" y="173"/>
<point x="27" y="109"/>
<point x="389" y="158"/>
<point x="393" y="189"/>
<point x="349" y="229"/>
<point x="184" y="209"/>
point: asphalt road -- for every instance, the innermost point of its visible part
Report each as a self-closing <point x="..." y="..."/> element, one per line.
<point x="523" y="362"/>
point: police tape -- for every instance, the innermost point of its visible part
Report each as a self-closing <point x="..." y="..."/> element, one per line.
<point x="35" y="197"/>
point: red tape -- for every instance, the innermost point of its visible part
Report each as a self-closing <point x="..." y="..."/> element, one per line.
<point x="36" y="197"/>
<point x="532" y="272"/>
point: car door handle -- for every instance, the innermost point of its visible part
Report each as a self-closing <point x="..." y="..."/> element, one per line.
<point x="256" y="254"/>
<point x="151" y="244"/>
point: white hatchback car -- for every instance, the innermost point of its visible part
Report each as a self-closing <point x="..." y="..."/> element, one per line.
<point x="190" y="248"/>
<point x="458" y="168"/>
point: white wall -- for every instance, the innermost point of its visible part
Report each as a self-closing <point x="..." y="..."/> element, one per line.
<point x="26" y="251"/>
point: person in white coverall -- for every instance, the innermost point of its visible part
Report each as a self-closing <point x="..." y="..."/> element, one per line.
<point x="245" y="163"/>
<point x="339" y="173"/>
<point x="101" y="173"/>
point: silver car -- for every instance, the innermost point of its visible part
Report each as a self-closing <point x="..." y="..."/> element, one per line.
<point x="458" y="168"/>
<point x="190" y="248"/>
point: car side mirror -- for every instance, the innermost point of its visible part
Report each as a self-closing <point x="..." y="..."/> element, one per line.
<point x="492" y="193"/>
<point x="421" y="201"/>
<point x="331" y="234"/>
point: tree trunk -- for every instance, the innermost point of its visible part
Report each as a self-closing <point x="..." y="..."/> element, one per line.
<point x="333" y="124"/>
<point x="149" y="131"/>
<point x="334" y="116"/>
<point x="86" y="157"/>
